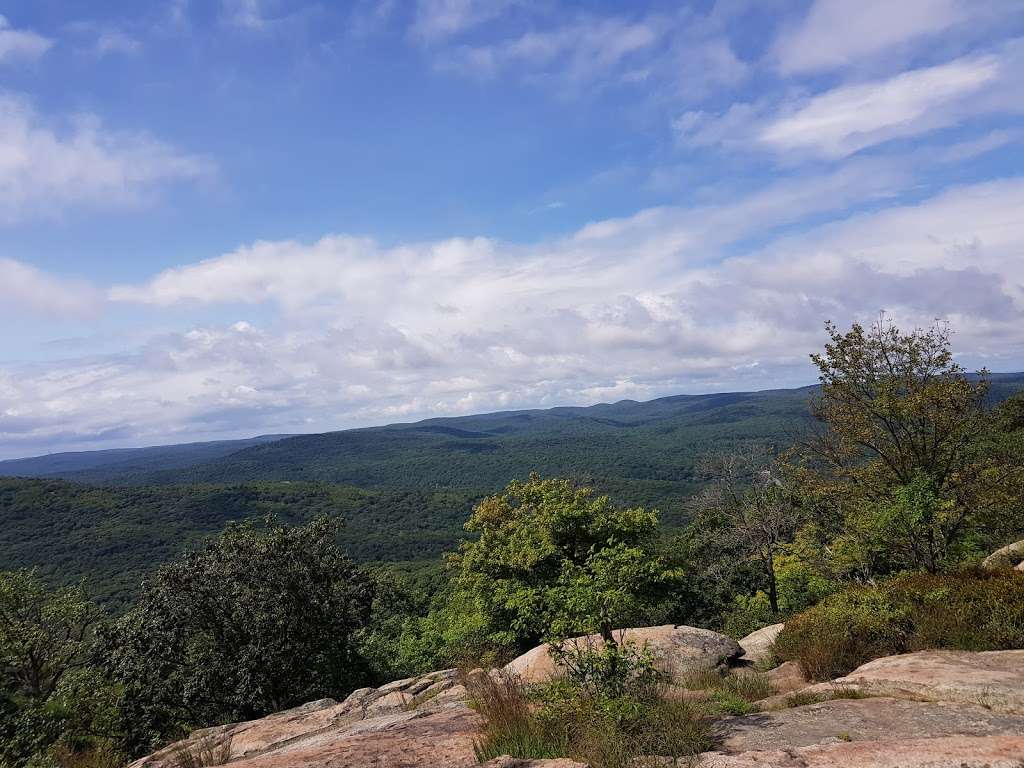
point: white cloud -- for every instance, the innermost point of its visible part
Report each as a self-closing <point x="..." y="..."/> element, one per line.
<point x="45" y="167"/>
<point x="439" y="19"/>
<point x="20" y="43"/>
<point x="844" y="120"/>
<point x="650" y="304"/>
<point x="578" y="52"/>
<point x="27" y="288"/>
<point x="248" y="14"/>
<point x="848" y="118"/>
<point x="838" y="33"/>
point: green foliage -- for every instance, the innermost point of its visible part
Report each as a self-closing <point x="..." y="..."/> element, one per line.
<point x="552" y="560"/>
<point x="452" y="634"/>
<point x="52" y="700"/>
<point x="600" y="669"/>
<point x="43" y="634"/>
<point x="907" y="451"/>
<point x="974" y="610"/>
<point x="564" y="719"/>
<point x="257" y="621"/>
<point x="731" y="693"/>
<point x="112" y="538"/>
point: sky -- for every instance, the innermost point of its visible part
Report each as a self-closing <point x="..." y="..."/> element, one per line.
<point x="224" y="218"/>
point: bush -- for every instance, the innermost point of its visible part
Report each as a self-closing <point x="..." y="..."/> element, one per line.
<point x="511" y="725"/>
<point x="259" y="620"/>
<point x="972" y="610"/>
<point x="607" y="711"/>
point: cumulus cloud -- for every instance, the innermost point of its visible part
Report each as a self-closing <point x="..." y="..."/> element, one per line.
<point x="663" y="301"/>
<point x="21" y="43"/>
<point x="45" y="167"/>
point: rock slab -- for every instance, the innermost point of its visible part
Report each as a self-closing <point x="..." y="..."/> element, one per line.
<point x="948" y="752"/>
<point x="874" y="719"/>
<point x="992" y="679"/>
<point x="372" y="728"/>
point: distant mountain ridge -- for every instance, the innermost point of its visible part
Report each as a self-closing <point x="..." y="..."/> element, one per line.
<point x="642" y="451"/>
<point x="124" y="460"/>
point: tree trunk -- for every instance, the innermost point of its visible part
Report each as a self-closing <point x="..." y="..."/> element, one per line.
<point x="773" y="588"/>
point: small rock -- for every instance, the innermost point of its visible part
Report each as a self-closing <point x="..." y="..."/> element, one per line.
<point x="1010" y="556"/>
<point x="419" y="686"/>
<point x="359" y="697"/>
<point x="454" y="693"/>
<point x="397" y="685"/>
<point x="757" y="646"/>
<point x="389" y="701"/>
<point x="787" y="677"/>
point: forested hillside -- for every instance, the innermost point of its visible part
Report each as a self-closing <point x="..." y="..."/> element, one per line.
<point x="111" y="537"/>
<point x="403" y="490"/>
<point x="642" y="451"/>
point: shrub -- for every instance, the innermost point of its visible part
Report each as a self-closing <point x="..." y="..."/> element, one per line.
<point x="973" y="610"/>
<point x="606" y="669"/>
<point x="511" y="725"/>
<point x="606" y="711"/>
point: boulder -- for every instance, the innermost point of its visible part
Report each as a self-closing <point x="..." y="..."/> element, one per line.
<point x="1010" y="556"/>
<point x="992" y="679"/>
<point x="947" y="752"/>
<point x="757" y="646"/>
<point x="787" y="677"/>
<point x="873" y="719"/>
<point x="677" y="650"/>
<point x="389" y="701"/>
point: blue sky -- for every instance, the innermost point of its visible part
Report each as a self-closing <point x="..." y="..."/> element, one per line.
<point x="231" y="218"/>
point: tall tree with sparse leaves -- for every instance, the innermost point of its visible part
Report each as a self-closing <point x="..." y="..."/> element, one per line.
<point x="902" y="438"/>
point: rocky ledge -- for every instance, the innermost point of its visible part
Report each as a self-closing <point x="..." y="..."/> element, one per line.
<point x="933" y="709"/>
<point x="419" y="721"/>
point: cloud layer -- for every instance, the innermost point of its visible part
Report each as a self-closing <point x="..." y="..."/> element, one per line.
<point x="794" y="163"/>
<point x="652" y="304"/>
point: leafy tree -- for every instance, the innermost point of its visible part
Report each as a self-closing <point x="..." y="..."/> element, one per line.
<point x="43" y="634"/>
<point x="257" y="621"/>
<point x="902" y="447"/>
<point x="51" y="697"/>
<point x="748" y="498"/>
<point x="552" y="560"/>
